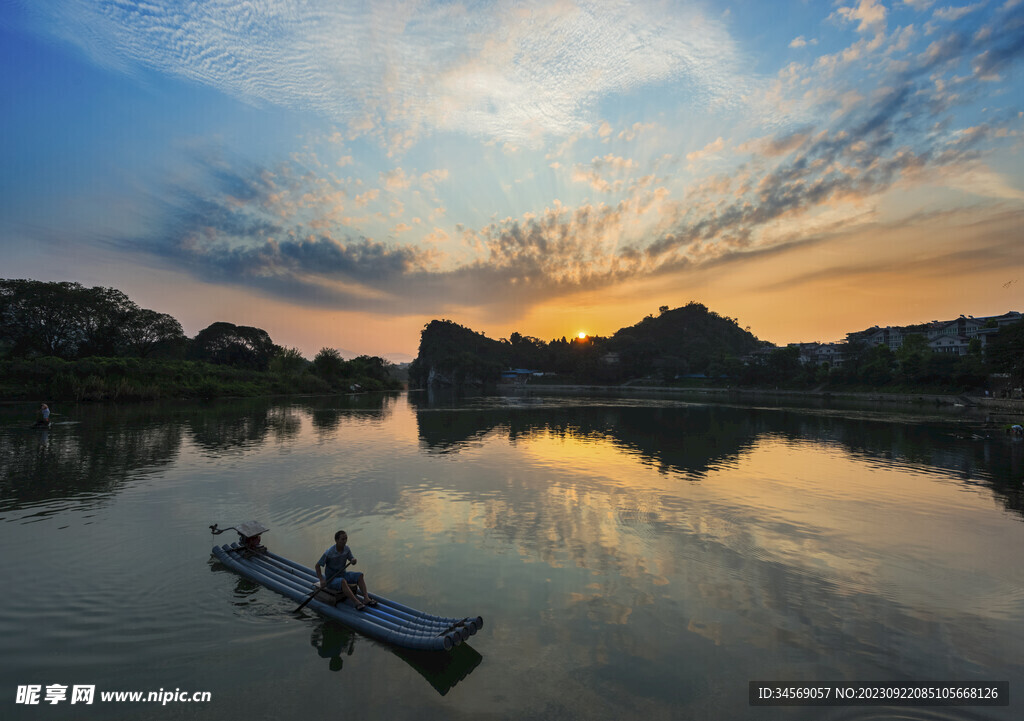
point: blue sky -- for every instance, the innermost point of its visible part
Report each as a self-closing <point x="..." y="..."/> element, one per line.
<point x="341" y="173"/>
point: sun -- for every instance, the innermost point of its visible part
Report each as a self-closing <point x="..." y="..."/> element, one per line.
<point x="582" y="335"/>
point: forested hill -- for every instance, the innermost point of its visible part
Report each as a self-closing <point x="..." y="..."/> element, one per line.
<point x="691" y="339"/>
<point x="451" y="354"/>
<point x="687" y="340"/>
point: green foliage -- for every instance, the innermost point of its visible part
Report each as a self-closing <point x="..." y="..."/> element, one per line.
<point x="459" y="354"/>
<point x="363" y="373"/>
<point x="1006" y="352"/>
<point x="131" y="379"/>
<point x="67" y="342"/>
<point x="677" y="342"/>
<point x="288" y="361"/>
<point x="912" y="359"/>
<point x="236" y="345"/>
<point x="328" y="364"/>
<point x="147" y="332"/>
<point x="693" y="341"/>
<point x="68" y="320"/>
<point x="692" y="335"/>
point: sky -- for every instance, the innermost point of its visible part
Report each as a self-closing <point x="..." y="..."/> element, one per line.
<point x="341" y="173"/>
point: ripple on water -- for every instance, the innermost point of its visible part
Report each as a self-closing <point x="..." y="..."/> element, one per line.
<point x="298" y="518"/>
<point x="904" y="713"/>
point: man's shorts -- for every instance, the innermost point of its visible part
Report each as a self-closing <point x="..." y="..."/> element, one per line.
<point x="349" y="577"/>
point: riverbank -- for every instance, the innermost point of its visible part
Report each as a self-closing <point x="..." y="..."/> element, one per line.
<point x="995" y="405"/>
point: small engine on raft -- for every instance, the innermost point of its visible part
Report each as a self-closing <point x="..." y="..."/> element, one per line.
<point x="249" y="534"/>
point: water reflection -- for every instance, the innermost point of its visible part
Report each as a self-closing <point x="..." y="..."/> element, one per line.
<point x="331" y="640"/>
<point x="327" y="413"/>
<point x="92" y="456"/>
<point x="442" y="670"/>
<point x="689" y="440"/>
<point x="639" y="558"/>
<point x="76" y="459"/>
<point x="681" y="438"/>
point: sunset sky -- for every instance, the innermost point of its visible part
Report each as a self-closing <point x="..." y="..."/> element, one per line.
<point x="340" y="173"/>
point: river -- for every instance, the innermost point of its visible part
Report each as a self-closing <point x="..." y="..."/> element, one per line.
<point x="631" y="557"/>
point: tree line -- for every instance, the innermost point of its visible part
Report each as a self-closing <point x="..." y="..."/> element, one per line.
<point x="694" y="345"/>
<point x="62" y="338"/>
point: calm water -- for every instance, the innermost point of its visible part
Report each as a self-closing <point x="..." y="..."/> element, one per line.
<point x="631" y="558"/>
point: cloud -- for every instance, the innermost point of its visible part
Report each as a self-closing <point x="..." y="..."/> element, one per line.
<point x="614" y="163"/>
<point x="636" y="130"/>
<point x="395" y="179"/>
<point x="870" y="16"/>
<point x="799" y="177"/>
<point x="710" y="149"/>
<point x="992" y="248"/>
<point x="776" y="145"/>
<point x="593" y="173"/>
<point x="952" y="14"/>
<point x="366" y="198"/>
<point x="513" y="72"/>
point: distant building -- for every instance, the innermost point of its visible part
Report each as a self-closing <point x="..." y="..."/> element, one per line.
<point x="948" y="336"/>
<point x="955" y="344"/>
<point x="820" y="353"/>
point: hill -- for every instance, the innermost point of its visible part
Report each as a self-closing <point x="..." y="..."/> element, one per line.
<point x="451" y="354"/>
<point x="687" y="340"/>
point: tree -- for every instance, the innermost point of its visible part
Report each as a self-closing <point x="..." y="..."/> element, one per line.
<point x="328" y="364"/>
<point x="288" y="361"/>
<point x="1005" y="352"/>
<point x="373" y="367"/>
<point x="69" y="320"/>
<point x="784" y="365"/>
<point x="106" y="313"/>
<point x="143" y="331"/>
<point x="66" y="320"/>
<point x="876" y="368"/>
<point x="228" y="344"/>
<point x="912" y="357"/>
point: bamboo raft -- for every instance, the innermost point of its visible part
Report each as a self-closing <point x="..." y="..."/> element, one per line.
<point x="388" y="621"/>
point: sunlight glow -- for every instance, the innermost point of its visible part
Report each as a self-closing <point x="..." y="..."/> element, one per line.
<point x="582" y="335"/>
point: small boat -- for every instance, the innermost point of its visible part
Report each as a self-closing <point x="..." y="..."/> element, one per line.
<point x="388" y="621"/>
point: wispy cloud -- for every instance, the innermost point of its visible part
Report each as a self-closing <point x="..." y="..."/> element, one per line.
<point x="852" y="125"/>
<point x="952" y="14"/>
<point x="395" y="70"/>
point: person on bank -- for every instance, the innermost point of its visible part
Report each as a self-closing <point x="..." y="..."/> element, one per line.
<point x="334" y="561"/>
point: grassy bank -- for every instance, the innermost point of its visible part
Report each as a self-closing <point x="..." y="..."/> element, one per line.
<point x="133" y="379"/>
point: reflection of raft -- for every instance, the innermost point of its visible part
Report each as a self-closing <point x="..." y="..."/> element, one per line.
<point x="390" y="621"/>
<point x="442" y="670"/>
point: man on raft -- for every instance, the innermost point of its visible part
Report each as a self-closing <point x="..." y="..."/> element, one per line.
<point x="334" y="560"/>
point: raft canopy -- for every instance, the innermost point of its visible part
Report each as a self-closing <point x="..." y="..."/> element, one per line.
<point x="250" y="529"/>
